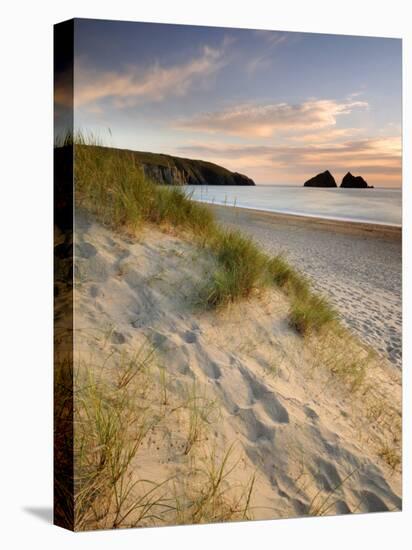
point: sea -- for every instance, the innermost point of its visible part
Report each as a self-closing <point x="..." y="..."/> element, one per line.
<point x="379" y="205"/>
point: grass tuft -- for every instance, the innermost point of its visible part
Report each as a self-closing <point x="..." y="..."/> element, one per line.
<point x="110" y="184"/>
<point x="242" y="269"/>
<point x="288" y="278"/>
<point x="390" y="455"/>
<point x="310" y="313"/>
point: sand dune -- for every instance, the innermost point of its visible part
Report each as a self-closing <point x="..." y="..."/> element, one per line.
<point x="357" y="266"/>
<point x="315" y="446"/>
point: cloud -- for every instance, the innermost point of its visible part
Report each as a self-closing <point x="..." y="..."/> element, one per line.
<point x="63" y="88"/>
<point x="327" y="135"/>
<point x="378" y="149"/>
<point x="273" y="38"/>
<point x="379" y="159"/>
<point x="257" y="64"/>
<point x="271" y="41"/>
<point x="262" y="120"/>
<point x="135" y="84"/>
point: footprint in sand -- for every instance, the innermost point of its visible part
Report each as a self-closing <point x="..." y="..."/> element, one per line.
<point x="212" y="370"/>
<point x="85" y="250"/>
<point x="271" y="404"/>
<point x="190" y="337"/>
<point x="310" y="413"/>
<point x="117" y="338"/>
<point x="255" y="429"/>
<point x="372" y="502"/>
<point x="327" y="474"/>
<point x="94" y="291"/>
<point x="274" y="409"/>
<point x="341" y="507"/>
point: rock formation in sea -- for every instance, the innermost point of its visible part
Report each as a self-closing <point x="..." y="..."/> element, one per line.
<point x="355" y="182"/>
<point x="325" y="179"/>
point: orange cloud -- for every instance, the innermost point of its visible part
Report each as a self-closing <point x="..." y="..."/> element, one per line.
<point x="261" y="120"/>
<point x="379" y="160"/>
<point x="63" y="88"/>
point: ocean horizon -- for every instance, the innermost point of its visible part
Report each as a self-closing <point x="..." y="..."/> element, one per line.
<point x="382" y="206"/>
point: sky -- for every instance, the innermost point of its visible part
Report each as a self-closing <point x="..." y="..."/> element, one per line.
<point x="277" y="106"/>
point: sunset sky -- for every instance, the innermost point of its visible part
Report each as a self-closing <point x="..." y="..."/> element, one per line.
<point x="276" y="106"/>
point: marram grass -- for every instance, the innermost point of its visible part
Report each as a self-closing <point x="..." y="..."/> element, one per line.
<point x="109" y="183"/>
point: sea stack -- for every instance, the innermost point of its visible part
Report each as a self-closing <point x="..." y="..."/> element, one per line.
<point x="325" y="179"/>
<point x="354" y="182"/>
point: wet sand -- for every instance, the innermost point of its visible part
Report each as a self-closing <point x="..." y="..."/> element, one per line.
<point x="358" y="266"/>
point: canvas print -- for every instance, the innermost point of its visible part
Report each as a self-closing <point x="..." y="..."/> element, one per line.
<point x="227" y="274"/>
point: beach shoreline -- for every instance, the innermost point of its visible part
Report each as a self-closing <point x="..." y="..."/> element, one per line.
<point x="376" y="207"/>
<point x="357" y="266"/>
<point x="376" y="229"/>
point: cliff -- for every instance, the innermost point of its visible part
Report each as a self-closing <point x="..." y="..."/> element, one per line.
<point x="170" y="170"/>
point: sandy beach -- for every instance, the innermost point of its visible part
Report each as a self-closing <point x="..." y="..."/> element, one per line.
<point x="357" y="266"/>
<point x="305" y="441"/>
<point x="228" y="275"/>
